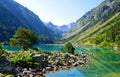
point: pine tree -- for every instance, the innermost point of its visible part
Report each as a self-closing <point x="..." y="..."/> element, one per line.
<point x="24" y="38"/>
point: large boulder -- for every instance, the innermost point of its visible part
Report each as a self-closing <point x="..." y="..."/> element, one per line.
<point x="5" y="66"/>
<point x="38" y="57"/>
<point x="8" y="69"/>
<point x="3" y="60"/>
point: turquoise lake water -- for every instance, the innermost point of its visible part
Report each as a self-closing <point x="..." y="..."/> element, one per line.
<point x="52" y="48"/>
<point x="63" y="73"/>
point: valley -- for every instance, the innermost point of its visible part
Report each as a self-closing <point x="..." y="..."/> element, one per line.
<point x="87" y="47"/>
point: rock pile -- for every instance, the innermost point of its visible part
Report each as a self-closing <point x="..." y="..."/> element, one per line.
<point x="47" y="62"/>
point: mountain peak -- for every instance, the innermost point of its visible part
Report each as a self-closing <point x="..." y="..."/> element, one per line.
<point x="93" y="18"/>
<point x="50" y="23"/>
<point x="13" y="15"/>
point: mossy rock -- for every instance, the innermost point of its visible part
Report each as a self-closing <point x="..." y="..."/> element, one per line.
<point x="2" y="75"/>
<point x="9" y="76"/>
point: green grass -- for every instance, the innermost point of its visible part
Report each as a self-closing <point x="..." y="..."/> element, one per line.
<point x="102" y="64"/>
<point x="22" y="58"/>
<point x="95" y="30"/>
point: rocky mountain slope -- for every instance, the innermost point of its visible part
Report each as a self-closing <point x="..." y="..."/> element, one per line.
<point x="59" y="30"/>
<point x="67" y="27"/>
<point x="92" y="20"/>
<point x="13" y="15"/>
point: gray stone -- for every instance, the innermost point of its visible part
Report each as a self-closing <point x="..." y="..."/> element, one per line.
<point x="3" y="61"/>
<point x="38" y="57"/>
<point x="31" y="75"/>
<point x="8" y="69"/>
<point x="49" y="68"/>
<point x="25" y="69"/>
<point x="43" y="70"/>
<point x="34" y="53"/>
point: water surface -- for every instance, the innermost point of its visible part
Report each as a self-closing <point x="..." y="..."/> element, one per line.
<point x="57" y="48"/>
<point x="65" y="73"/>
<point x="98" y="67"/>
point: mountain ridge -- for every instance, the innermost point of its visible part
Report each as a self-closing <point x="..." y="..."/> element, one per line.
<point x="60" y="30"/>
<point x="13" y="15"/>
<point x="92" y="19"/>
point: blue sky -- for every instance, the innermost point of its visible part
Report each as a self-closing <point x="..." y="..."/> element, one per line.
<point x="60" y="12"/>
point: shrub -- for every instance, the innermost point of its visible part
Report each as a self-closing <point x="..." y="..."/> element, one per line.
<point x="22" y="59"/>
<point x="68" y="48"/>
<point x="104" y="43"/>
<point x="34" y="50"/>
<point x="117" y="39"/>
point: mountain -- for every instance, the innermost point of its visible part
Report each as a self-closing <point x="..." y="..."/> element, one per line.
<point x="90" y="23"/>
<point x="108" y="34"/>
<point x="65" y="28"/>
<point x="55" y="29"/>
<point x="59" y="30"/>
<point x="13" y="15"/>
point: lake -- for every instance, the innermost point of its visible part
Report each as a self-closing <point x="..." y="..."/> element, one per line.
<point x="67" y="73"/>
<point x="57" y="48"/>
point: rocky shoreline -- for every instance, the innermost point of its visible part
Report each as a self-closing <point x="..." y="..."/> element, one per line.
<point x="47" y="63"/>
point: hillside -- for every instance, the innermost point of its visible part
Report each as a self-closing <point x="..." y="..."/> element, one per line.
<point x="103" y="35"/>
<point x="92" y="21"/>
<point x="13" y="15"/>
<point x="108" y="34"/>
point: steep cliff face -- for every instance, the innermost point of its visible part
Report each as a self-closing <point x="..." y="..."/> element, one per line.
<point x="93" y="19"/>
<point x="13" y="15"/>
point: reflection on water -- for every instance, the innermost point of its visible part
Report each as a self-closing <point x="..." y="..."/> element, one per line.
<point x="65" y="73"/>
<point x="98" y="62"/>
